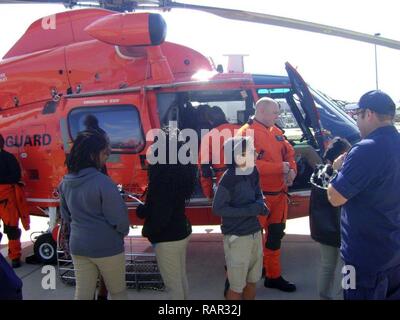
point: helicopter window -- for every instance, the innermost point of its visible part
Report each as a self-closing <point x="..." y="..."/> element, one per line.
<point x="121" y="124"/>
<point x="334" y="119"/>
<point x="187" y="107"/>
<point x="167" y="108"/>
<point x="274" y="93"/>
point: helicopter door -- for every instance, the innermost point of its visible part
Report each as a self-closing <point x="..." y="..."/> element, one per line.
<point x="312" y="118"/>
<point x="309" y="121"/>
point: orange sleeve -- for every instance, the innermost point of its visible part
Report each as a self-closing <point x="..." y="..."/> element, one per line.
<point x="22" y="207"/>
<point x="207" y="186"/>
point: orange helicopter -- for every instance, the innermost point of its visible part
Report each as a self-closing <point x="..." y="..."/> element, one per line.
<point x="117" y="67"/>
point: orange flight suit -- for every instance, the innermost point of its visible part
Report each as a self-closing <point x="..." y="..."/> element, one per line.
<point x="13" y="207"/>
<point x="273" y="149"/>
<point x="208" y="152"/>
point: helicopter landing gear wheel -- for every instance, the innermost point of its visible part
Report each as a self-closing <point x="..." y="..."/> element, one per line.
<point x="45" y="249"/>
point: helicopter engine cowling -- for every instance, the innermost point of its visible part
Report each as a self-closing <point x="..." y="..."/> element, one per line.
<point x="129" y="29"/>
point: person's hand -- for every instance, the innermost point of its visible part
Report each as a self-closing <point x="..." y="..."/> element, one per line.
<point x="338" y="163"/>
<point x="290" y="177"/>
<point x="286" y="167"/>
<point x="25" y="221"/>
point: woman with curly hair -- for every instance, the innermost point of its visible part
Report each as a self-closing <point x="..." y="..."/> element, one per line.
<point x="97" y="217"/>
<point x="166" y="226"/>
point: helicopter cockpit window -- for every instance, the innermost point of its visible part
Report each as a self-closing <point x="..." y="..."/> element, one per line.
<point x="334" y="120"/>
<point x="234" y="103"/>
<point x="121" y="124"/>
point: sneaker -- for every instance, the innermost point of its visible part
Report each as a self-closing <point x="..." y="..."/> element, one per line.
<point x="16" y="263"/>
<point x="280" y="284"/>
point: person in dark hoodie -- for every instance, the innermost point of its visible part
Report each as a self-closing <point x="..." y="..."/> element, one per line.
<point x="239" y="201"/>
<point x="166" y="226"/>
<point x="325" y="222"/>
<point x="97" y="216"/>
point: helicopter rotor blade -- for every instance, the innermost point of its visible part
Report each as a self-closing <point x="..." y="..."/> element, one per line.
<point x="291" y="24"/>
<point x="35" y="1"/>
<point x="240" y="15"/>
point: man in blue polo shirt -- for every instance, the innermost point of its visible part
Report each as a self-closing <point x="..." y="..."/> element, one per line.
<point x="368" y="188"/>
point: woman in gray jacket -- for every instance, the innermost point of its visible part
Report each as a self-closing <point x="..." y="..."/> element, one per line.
<point x="92" y="206"/>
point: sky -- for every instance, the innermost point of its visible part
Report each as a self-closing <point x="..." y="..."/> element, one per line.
<point x="343" y="69"/>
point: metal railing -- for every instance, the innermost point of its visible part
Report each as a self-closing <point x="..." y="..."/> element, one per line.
<point x="141" y="268"/>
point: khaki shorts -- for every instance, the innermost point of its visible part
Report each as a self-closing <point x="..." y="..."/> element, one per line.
<point x="244" y="259"/>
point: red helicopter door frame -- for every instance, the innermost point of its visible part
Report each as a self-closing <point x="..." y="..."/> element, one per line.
<point x="126" y="119"/>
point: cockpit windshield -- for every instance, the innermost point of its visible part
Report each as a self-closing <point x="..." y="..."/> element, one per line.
<point x="333" y="118"/>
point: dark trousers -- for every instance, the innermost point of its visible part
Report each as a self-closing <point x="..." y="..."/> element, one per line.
<point x="381" y="286"/>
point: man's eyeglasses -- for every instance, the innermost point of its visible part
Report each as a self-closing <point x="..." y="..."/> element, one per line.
<point x="357" y="113"/>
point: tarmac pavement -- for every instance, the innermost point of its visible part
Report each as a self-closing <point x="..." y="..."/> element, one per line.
<point x="205" y="259"/>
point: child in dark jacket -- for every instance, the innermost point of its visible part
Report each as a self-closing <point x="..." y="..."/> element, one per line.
<point x="166" y="226"/>
<point x="325" y="222"/>
<point x="239" y="200"/>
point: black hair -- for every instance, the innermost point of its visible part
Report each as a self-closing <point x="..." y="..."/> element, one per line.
<point x="216" y="116"/>
<point x="85" y="151"/>
<point x="92" y="124"/>
<point x="336" y="147"/>
<point x="180" y="179"/>
<point x="203" y="112"/>
<point x="91" y="121"/>
<point x="1" y="142"/>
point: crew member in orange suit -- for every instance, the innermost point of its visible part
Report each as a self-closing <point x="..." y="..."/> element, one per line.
<point x="277" y="167"/>
<point x="12" y="203"/>
<point x="211" y="158"/>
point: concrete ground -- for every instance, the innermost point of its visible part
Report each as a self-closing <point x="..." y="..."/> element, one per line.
<point x="205" y="268"/>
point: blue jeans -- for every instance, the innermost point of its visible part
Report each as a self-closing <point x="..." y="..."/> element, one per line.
<point x="381" y="286"/>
